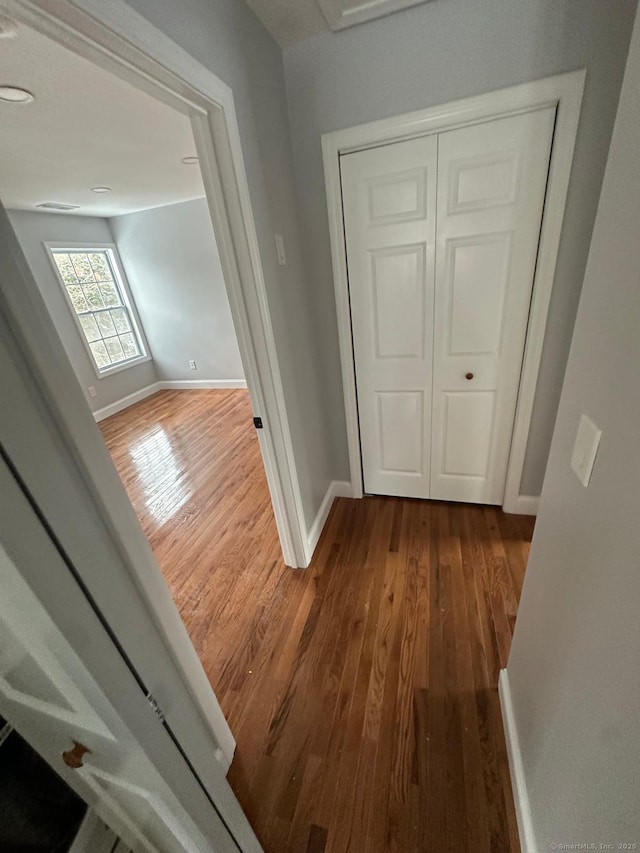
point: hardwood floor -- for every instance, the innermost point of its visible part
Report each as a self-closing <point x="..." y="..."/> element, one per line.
<point x="190" y="462"/>
<point x="363" y="691"/>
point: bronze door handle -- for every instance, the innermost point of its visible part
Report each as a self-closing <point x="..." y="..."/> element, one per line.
<point x="73" y="757"/>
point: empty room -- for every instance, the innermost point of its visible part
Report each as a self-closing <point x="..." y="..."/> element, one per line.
<point x="317" y="478"/>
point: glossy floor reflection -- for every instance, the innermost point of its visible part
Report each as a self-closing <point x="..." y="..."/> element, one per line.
<point x="191" y="464"/>
<point x="162" y="473"/>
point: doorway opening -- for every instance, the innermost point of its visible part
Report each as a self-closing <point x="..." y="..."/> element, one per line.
<point x="104" y="191"/>
<point x="125" y="50"/>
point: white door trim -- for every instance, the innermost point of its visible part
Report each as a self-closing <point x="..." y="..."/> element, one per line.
<point x="117" y="38"/>
<point x="563" y="91"/>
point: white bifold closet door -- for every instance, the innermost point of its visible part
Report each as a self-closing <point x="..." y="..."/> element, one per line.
<point x="442" y="236"/>
<point x="389" y="196"/>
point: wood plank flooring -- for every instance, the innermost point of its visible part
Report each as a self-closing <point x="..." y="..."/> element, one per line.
<point x="363" y="691"/>
<point x="190" y="462"/>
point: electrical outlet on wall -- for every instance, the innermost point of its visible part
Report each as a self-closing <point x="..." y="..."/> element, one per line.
<point x="193" y="365"/>
<point x="92" y="391"/>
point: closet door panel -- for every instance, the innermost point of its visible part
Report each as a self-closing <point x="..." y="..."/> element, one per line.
<point x="389" y="196"/>
<point x="491" y="188"/>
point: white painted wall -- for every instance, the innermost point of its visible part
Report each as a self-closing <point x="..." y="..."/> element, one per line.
<point x="32" y="229"/>
<point x="172" y="264"/>
<point x="430" y="55"/>
<point x="227" y="38"/>
<point x="573" y="668"/>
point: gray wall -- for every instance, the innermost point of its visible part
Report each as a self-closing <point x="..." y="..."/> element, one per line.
<point x="573" y="667"/>
<point x="432" y="54"/>
<point x="34" y="228"/>
<point x="225" y="36"/>
<point x="172" y="264"/>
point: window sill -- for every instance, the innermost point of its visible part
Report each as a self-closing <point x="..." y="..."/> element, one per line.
<point x="125" y="365"/>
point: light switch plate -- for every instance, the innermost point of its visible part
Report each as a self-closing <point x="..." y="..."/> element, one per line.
<point x="585" y="449"/>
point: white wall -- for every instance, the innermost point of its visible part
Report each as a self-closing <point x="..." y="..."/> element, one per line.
<point x="227" y="38"/>
<point x="573" y="668"/>
<point x="172" y="264"/>
<point x="32" y="229"/>
<point x="436" y="53"/>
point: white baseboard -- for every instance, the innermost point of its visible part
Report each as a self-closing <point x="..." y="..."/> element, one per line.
<point x="518" y="782"/>
<point x="164" y="385"/>
<point x="125" y="402"/>
<point x="522" y="505"/>
<point x="336" y="489"/>
<point x="342" y="489"/>
<point x="203" y="383"/>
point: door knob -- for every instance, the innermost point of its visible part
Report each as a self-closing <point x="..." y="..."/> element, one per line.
<point x="469" y="376"/>
<point x="73" y="757"/>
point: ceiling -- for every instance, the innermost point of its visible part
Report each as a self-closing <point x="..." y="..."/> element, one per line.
<point x="87" y="128"/>
<point x="290" y="21"/>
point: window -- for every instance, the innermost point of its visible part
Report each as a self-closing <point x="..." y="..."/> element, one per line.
<point x="101" y="305"/>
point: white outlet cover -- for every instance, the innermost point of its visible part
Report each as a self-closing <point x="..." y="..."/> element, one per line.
<point x="585" y="449"/>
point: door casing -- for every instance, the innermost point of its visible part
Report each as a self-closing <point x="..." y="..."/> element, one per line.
<point x="117" y="38"/>
<point x="563" y="91"/>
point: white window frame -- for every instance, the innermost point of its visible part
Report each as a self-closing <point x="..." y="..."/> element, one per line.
<point x="127" y="298"/>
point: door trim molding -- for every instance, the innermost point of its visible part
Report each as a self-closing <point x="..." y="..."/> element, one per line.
<point x="524" y="505"/>
<point x="564" y="92"/>
<point x="115" y="37"/>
